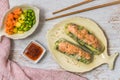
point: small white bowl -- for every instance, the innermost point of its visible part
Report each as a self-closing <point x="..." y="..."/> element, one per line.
<point x="39" y="58"/>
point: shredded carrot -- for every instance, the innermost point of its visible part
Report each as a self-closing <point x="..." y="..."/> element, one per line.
<point x="11" y="20"/>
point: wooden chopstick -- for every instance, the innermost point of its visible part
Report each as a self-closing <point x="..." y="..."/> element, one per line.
<point x="72" y="6"/>
<point x="86" y="9"/>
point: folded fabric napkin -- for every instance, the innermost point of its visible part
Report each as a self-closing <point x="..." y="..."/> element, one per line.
<point x="4" y="5"/>
<point x="9" y="70"/>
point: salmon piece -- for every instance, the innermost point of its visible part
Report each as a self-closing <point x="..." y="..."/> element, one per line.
<point x="84" y="31"/>
<point x="69" y="48"/>
<point x="83" y="35"/>
<point x="80" y="36"/>
<point x="84" y="38"/>
<point x="72" y="29"/>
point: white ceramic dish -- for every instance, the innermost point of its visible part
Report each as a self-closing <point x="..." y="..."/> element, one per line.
<point x="25" y="34"/>
<point x="40" y="57"/>
<point x="69" y="64"/>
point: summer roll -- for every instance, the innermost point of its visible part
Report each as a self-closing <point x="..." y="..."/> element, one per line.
<point x="84" y="38"/>
<point x="73" y="50"/>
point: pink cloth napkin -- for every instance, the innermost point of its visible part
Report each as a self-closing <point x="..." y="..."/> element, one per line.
<point x="4" y="5"/>
<point x="9" y="70"/>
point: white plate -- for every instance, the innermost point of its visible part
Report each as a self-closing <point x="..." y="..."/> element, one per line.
<point x="70" y="64"/>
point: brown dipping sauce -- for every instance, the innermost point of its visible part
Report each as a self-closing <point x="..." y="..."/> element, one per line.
<point x="33" y="51"/>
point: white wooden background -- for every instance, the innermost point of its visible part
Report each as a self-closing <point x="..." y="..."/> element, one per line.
<point x="108" y="18"/>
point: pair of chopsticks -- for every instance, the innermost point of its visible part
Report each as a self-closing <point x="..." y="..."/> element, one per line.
<point x="83" y="10"/>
